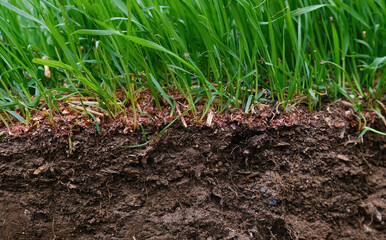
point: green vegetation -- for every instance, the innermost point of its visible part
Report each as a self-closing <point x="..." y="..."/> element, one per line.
<point x="220" y="51"/>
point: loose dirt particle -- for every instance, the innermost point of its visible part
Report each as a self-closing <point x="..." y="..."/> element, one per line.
<point x="343" y="157"/>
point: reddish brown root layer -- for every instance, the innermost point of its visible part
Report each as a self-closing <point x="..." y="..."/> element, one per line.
<point x="230" y="182"/>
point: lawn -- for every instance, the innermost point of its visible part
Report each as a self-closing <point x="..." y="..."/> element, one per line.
<point x="238" y="53"/>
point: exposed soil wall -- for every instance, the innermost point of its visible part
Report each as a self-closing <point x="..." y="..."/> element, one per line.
<point x="306" y="181"/>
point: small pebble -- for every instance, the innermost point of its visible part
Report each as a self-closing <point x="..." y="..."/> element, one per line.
<point x="274" y="202"/>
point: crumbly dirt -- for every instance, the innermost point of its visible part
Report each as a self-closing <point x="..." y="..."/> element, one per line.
<point x="305" y="180"/>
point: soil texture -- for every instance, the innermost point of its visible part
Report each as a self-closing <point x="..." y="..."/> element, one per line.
<point x="307" y="180"/>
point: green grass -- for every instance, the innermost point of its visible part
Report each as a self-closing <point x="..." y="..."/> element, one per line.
<point x="232" y="51"/>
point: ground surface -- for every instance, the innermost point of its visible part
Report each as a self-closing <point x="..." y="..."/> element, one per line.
<point x="283" y="179"/>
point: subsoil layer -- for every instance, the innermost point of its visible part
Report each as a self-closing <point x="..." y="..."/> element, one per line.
<point x="305" y="181"/>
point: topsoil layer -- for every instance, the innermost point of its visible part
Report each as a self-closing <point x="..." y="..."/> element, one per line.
<point x="307" y="180"/>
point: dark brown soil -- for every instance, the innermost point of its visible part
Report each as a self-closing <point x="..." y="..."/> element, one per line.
<point x="305" y="181"/>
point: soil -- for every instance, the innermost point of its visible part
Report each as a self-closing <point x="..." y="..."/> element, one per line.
<point x="232" y="180"/>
